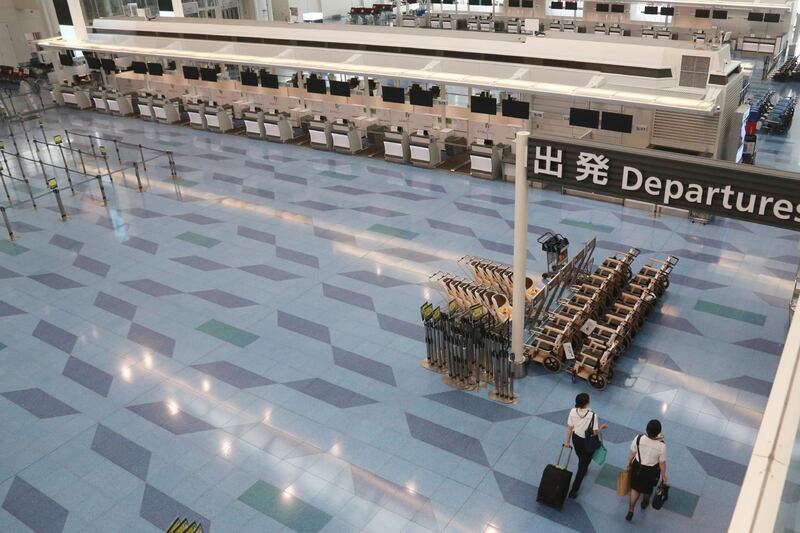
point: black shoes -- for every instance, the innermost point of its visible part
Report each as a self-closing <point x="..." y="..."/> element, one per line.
<point x="645" y="502"/>
<point x="629" y="516"/>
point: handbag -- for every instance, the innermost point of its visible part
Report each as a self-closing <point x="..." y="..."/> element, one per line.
<point x="623" y="482"/>
<point x="591" y="442"/>
<point x="661" y="497"/>
<point x="600" y="454"/>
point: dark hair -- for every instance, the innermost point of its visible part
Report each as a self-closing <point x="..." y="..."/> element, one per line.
<point x="581" y="400"/>
<point x="653" y="428"/>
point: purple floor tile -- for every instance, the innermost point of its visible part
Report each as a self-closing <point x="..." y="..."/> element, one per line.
<point x="346" y="189"/>
<point x="225" y="299"/>
<point x="695" y="256"/>
<point x="615" y="433"/>
<point x="385" y="493"/>
<point x="367" y="276"/>
<point x="89" y="376"/>
<point x="121" y="451"/>
<point x="643" y="221"/>
<point x="142" y="244"/>
<point x="62" y="241"/>
<point x="332" y="235"/>
<point x="170" y="418"/>
<point x="447" y="439"/>
<point x="151" y="287"/>
<point x="91" y="265"/>
<point x="233" y="375"/>
<point x="268" y="272"/>
<point x="476" y="406"/>
<point x="711" y="243"/>
<point x="143" y="213"/>
<point x="9" y="310"/>
<point x="305" y="327"/>
<point x="39" y="403"/>
<point x="34" y="508"/>
<point x="297" y="257"/>
<point x="256" y="235"/>
<point x="563" y="206"/>
<point x="379" y="211"/>
<point x="673" y="322"/>
<point x="401" y="327"/>
<point x="115" y="305"/>
<point x="56" y="281"/>
<point x="291" y="179"/>
<point x="694" y="283"/>
<point x="762" y="345"/>
<point x="228" y="179"/>
<point x="433" y="187"/>
<point x="55" y="336"/>
<point x="201" y="220"/>
<point x="317" y="206"/>
<point x="410" y="255"/>
<point x="385" y="171"/>
<point x="452" y="228"/>
<point x="347" y="296"/>
<point x="260" y="166"/>
<point x="781" y="302"/>
<point x="719" y="467"/>
<point x="160" y="510"/>
<point x="500" y="200"/>
<point x="330" y="393"/>
<point x="261" y="193"/>
<point x="8" y="274"/>
<point x="199" y="263"/>
<point x="615" y="246"/>
<point x="477" y="210"/>
<point x="364" y="366"/>
<point x="151" y="339"/>
<point x="405" y="195"/>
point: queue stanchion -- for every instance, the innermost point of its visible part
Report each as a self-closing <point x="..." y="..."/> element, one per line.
<point x="57" y="139"/>
<point x="7" y="223"/>
<point x="104" y="153"/>
<point x="102" y="189"/>
<point x="53" y="185"/>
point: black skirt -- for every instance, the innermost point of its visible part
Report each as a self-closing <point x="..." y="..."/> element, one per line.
<point x="644" y="478"/>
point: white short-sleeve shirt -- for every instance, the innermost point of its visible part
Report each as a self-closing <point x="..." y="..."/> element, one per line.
<point x="579" y="420"/>
<point x="652" y="451"/>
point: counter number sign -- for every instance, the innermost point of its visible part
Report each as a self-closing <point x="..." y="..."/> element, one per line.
<point x="52" y="183"/>
<point x="57" y="139"/>
<point x="103" y="150"/>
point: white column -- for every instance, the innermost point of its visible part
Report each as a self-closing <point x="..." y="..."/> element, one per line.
<point x="78" y="20"/>
<point x="520" y="247"/>
<point x="177" y="7"/>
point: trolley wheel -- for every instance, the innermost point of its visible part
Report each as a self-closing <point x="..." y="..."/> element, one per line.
<point x="552" y="364"/>
<point x="597" y="381"/>
<point x="610" y="374"/>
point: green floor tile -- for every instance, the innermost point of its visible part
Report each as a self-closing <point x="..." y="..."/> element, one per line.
<point x="288" y="510"/>
<point x="226" y="332"/>
<point x="3" y="346"/>
<point x="587" y="225"/>
<point x="11" y="248"/>
<point x="394" y="232"/>
<point x="200" y="240"/>
<point x="680" y="501"/>
<point x="338" y="175"/>
<point x="730" y="312"/>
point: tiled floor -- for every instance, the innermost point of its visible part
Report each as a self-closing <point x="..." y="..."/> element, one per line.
<point x="248" y="356"/>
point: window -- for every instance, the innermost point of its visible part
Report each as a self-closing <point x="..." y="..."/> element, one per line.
<point x="567" y="13"/>
<point x="637" y="13"/>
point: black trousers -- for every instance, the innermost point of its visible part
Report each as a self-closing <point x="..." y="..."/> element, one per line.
<point x="584" y="459"/>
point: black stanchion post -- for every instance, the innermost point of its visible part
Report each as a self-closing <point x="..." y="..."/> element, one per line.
<point x="144" y="163"/>
<point x="57" y="140"/>
<point x="8" y="224"/>
<point x="102" y="189"/>
<point x="172" y="169"/>
<point x="44" y="138"/>
<point x="104" y="153"/>
<point x="116" y="147"/>
<point x="83" y="164"/>
<point x="138" y="178"/>
<point x="53" y="185"/>
<point x="3" y="179"/>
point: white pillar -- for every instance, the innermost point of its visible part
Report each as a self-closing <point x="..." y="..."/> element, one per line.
<point x="177" y="7"/>
<point x="520" y="248"/>
<point x="78" y="20"/>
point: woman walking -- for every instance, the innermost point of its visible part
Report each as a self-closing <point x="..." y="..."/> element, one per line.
<point x="647" y="462"/>
<point x="583" y="427"/>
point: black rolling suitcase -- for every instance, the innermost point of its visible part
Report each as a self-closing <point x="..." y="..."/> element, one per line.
<point x="555" y="482"/>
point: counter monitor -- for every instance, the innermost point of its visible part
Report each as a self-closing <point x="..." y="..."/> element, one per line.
<point x="483" y="104"/>
<point x="191" y="73"/>
<point x="155" y="69"/>
<point x="270" y="81"/>
<point x="316" y="85"/>
<point x="249" y="78"/>
<point x="139" y="67"/>
<point x="585" y="118"/>
<point x="516" y="109"/>
<point x="340" y="88"/>
<point x="208" y="74"/>
<point x="393" y="94"/>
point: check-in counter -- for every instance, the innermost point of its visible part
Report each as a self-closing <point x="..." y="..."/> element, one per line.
<point x="278" y="126"/>
<point x="219" y="118"/>
<point x="600" y="28"/>
<point x="664" y="34"/>
<point x="486" y="24"/>
<point x="699" y="37"/>
<point x="120" y="104"/>
<point x="319" y="131"/>
<point x="616" y="30"/>
<point x="345" y="137"/>
<point x="197" y="115"/>
<point x="514" y="26"/>
<point x="72" y="96"/>
<point x="396" y="145"/>
<point x="766" y="45"/>
<point x="254" y="123"/>
<point x="99" y="100"/>
<point x="424" y="150"/>
<point x="145" y="104"/>
<point x="486" y="159"/>
<point x="648" y="33"/>
<point x="166" y="110"/>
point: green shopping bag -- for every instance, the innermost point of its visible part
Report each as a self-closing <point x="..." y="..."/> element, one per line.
<point x="599" y="455"/>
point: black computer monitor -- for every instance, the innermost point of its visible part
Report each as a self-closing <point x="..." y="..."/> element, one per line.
<point x="139" y="67"/>
<point x="513" y="3"/>
<point x="516" y="109"/>
<point x="616" y="122"/>
<point x="420" y="97"/>
<point x="755" y="17"/>
<point x="108" y="65"/>
<point x="557" y="4"/>
<point x="316" y="85"/>
<point x="340" y="88"/>
<point x="586" y="118"/>
<point x="570" y="5"/>
<point x="719" y="14"/>
<point x="93" y="62"/>
<point x="618" y="8"/>
<point x="702" y="13"/>
<point x="270" y="81"/>
<point x="651" y="10"/>
<point x="208" y="74"/>
<point x="527" y="4"/>
<point x="393" y="94"/>
<point x="249" y="78"/>
<point x="66" y="59"/>
<point x="486" y="2"/>
<point x="448" y="1"/>
<point x="667" y="11"/>
<point x="191" y="73"/>
<point x="483" y="104"/>
<point x="474" y="2"/>
<point x="155" y="69"/>
<point x="772" y="17"/>
<point x="602" y="8"/>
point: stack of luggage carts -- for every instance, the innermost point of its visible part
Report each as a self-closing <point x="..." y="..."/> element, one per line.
<point x="588" y="331"/>
<point x="789" y="71"/>
<point x="780" y="117"/>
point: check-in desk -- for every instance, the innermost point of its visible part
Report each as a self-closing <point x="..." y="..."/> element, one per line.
<point x="254" y="123"/>
<point x="120" y="104"/>
<point x="166" y="110"/>
<point x="600" y="28"/>
<point x="442" y="22"/>
<point x="219" y="118"/>
<point x="555" y="25"/>
<point x="569" y="27"/>
<point x="425" y="150"/>
<point x="319" y="131"/>
<point x="396" y="145"/>
<point x="616" y="30"/>
<point x="514" y="26"/>
<point x="474" y="23"/>
<point x="648" y="33"/>
<point x="197" y="115"/>
<point x="486" y="24"/>
<point x="99" y="100"/>
<point x="145" y="105"/>
<point x="486" y="160"/>
<point x="345" y="137"/>
<point x="699" y="37"/>
<point x="72" y="96"/>
<point x="278" y="126"/>
<point x="664" y="33"/>
<point x="408" y="21"/>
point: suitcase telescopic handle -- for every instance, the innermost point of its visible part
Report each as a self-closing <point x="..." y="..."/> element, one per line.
<point x="569" y="456"/>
